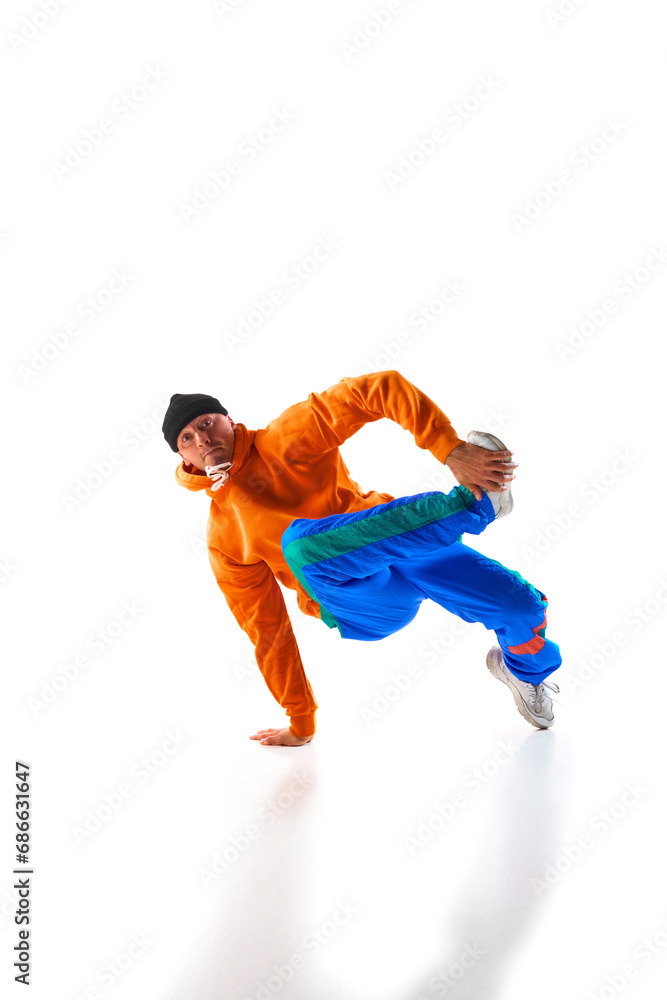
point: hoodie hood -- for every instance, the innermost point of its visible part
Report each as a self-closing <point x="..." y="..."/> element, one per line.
<point x="243" y="440"/>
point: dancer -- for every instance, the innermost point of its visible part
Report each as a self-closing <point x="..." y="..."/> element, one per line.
<point x="284" y="508"/>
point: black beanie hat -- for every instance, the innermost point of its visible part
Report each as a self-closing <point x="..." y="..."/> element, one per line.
<point x="182" y="409"/>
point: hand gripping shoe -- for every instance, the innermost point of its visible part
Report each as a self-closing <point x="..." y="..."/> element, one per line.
<point x="503" y="503"/>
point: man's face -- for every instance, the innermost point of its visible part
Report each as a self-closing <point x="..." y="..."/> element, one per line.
<point x="207" y="440"/>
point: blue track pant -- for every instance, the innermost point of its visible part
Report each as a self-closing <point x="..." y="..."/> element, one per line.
<point x="370" y="570"/>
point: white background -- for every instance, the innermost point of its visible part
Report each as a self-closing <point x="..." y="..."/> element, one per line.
<point x="586" y="425"/>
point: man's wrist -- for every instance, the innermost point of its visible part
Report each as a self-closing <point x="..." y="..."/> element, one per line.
<point x="456" y="445"/>
<point x="303" y="726"/>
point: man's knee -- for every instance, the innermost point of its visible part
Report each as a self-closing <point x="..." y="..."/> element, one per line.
<point x="522" y="607"/>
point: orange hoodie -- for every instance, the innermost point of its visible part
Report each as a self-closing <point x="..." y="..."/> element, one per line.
<point x="293" y="468"/>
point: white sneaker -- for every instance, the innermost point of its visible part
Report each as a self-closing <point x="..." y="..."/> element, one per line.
<point x="503" y="503"/>
<point x="532" y="700"/>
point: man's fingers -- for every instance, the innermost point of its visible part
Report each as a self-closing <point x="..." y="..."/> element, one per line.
<point x="505" y="458"/>
<point x="277" y="737"/>
<point x="496" y="487"/>
<point x="498" y="456"/>
<point x="474" y="489"/>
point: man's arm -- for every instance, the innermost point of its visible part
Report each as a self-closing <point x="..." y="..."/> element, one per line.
<point x="257" y="603"/>
<point x="328" y="418"/>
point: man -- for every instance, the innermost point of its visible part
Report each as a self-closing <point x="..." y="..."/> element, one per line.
<point x="284" y="508"/>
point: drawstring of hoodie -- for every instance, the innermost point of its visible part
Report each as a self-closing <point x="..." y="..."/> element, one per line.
<point x="219" y="474"/>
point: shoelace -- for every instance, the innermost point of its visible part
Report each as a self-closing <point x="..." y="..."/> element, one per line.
<point x="219" y="474"/>
<point x="540" y="692"/>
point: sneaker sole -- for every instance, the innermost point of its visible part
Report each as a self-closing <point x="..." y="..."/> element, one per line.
<point x="506" y="498"/>
<point x="498" y="672"/>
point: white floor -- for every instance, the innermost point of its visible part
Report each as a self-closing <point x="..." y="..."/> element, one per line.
<point x="443" y="848"/>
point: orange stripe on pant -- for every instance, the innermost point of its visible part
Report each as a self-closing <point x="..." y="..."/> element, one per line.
<point x="533" y="645"/>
